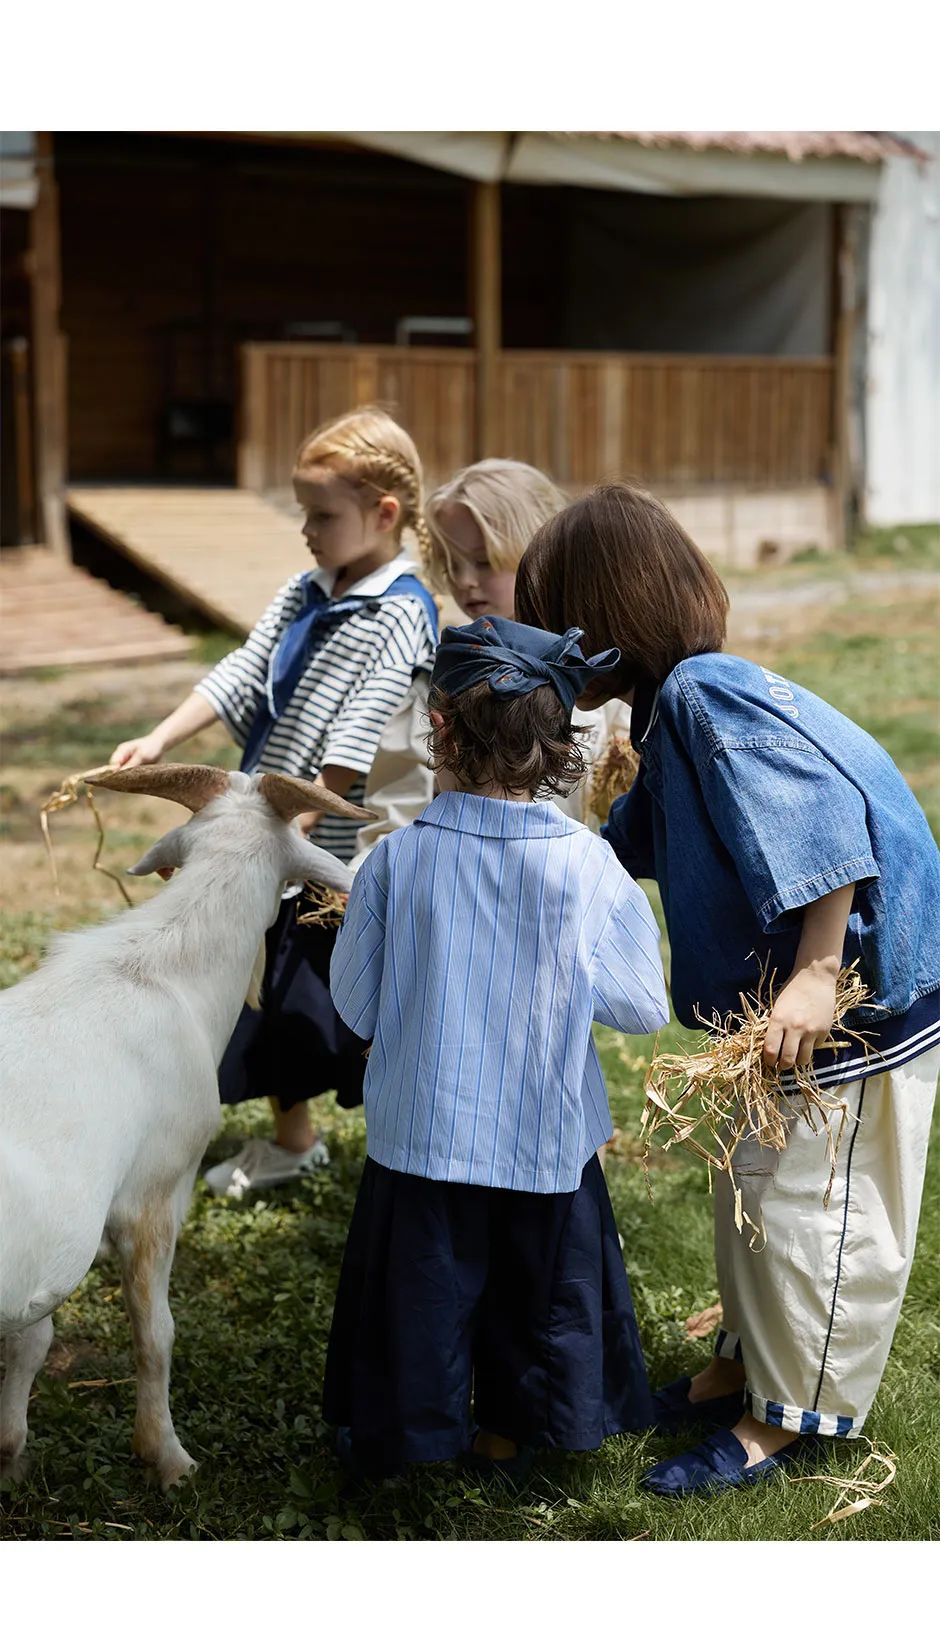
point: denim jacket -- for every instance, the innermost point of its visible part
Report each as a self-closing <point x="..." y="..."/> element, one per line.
<point x="755" y="798"/>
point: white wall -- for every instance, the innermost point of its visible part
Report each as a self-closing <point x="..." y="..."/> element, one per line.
<point x="902" y="407"/>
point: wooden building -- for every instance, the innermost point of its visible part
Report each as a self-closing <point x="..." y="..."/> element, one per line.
<point x="682" y="308"/>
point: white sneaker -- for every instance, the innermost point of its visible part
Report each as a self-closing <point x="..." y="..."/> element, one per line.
<point x="261" y="1165"/>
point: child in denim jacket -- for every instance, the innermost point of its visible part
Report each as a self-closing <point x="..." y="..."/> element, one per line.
<point x="785" y="843"/>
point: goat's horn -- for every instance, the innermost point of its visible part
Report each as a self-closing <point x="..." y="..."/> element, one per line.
<point x="191" y="786"/>
<point x="292" y="795"/>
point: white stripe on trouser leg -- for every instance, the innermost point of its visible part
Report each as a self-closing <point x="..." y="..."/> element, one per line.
<point x="816" y="1309"/>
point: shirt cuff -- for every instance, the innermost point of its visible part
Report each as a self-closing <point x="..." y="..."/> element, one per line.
<point x="348" y="755"/>
<point x="778" y="912"/>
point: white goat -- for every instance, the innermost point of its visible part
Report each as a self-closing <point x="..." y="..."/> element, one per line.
<point x="109" y="1056"/>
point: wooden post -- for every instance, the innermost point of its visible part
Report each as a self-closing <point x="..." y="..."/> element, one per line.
<point x="17" y="352"/>
<point x="486" y="297"/>
<point x="49" y="361"/>
<point x="252" y="414"/>
<point x="845" y="477"/>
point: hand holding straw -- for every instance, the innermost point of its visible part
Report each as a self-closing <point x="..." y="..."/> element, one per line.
<point x="711" y="1100"/>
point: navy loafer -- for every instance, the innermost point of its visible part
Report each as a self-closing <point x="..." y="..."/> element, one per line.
<point x="362" y="1466"/>
<point x="715" y="1465"/>
<point x="673" y="1410"/>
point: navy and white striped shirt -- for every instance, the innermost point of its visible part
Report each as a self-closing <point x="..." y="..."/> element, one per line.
<point x="479" y="945"/>
<point x="353" y="683"/>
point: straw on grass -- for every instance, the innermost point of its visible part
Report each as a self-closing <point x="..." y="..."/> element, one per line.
<point x="711" y="1100"/>
<point x="613" y="774"/>
<point x="859" y="1490"/>
<point x="71" y="790"/>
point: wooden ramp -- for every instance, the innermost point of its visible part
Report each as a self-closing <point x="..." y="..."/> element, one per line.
<point x="225" y="552"/>
<point x="54" y="615"/>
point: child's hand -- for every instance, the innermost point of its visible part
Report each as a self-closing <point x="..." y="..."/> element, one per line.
<point x="307" y="821"/>
<point x="802" y="1016"/>
<point x="139" y="751"/>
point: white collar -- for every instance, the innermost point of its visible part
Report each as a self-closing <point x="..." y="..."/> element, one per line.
<point x="373" y="583"/>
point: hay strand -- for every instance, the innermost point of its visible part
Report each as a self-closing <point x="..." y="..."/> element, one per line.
<point x="711" y="1100"/>
<point x="613" y="773"/>
<point x="324" y="907"/>
<point x="70" y="791"/>
<point x="860" y="1490"/>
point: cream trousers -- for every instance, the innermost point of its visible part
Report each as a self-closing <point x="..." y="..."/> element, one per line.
<point x="813" y="1313"/>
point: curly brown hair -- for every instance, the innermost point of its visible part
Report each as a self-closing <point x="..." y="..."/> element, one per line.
<point x="525" y="745"/>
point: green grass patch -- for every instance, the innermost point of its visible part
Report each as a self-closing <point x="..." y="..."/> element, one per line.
<point x="253" y="1285"/>
<point x="886" y="681"/>
<point x="252" y="1290"/>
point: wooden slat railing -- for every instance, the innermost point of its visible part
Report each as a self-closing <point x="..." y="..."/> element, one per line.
<point x="288" y="388"/>
<point x="674" y="421"/>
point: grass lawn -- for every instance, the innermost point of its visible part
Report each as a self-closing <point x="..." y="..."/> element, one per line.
<point x="253" y="1285"/>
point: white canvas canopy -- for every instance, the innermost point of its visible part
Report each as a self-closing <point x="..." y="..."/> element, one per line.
<point x="651" y="163"/>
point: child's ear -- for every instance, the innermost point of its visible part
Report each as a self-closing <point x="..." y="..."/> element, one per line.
<point x="437" y="719"/>
<point x="388" y="510"/>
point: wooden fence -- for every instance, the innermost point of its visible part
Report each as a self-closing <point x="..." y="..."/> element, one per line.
<point x="674" y="421"/>
<point x="288" y="388"/>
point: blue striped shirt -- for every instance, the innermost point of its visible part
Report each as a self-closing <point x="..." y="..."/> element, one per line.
<point x="479" y="944"/>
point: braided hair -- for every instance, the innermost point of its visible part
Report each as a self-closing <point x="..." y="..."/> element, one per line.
<point x="369" y="449"/>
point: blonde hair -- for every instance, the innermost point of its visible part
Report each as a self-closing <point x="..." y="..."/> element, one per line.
<point x="366" y="447"/>
<point x="509" y="501"/>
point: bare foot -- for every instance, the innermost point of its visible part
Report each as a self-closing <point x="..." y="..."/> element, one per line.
<point x="720" y="1377"/>
<point x="761" y="1440"/>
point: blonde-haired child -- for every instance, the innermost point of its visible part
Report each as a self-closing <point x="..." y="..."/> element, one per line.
<point x="335" y="670"/>
<point x="480" y="524"/>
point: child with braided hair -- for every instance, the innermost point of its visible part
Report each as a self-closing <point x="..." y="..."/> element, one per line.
<point x="334" y="674"/>
<point x="480" y="524"/>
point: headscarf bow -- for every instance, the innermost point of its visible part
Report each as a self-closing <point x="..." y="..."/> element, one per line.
<point x="515" y="659"/>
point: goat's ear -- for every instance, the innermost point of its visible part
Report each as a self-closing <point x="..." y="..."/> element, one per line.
<point x="190" y="786"/>
<point x="166" y="854"/>
<point x="290" y="796"/>
<point x="309" y="862"/>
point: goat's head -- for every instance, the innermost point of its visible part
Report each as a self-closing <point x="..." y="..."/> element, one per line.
<point x="238" y="813"/>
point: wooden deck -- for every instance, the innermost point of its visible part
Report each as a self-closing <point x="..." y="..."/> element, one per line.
<point x="54" y="615"/>
<point x="225" y="552"/>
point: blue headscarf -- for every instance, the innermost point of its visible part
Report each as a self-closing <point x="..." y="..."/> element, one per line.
<point x="515" y="660"/>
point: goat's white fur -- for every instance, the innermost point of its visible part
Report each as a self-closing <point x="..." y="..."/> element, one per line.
<point x="109" y="1094"/>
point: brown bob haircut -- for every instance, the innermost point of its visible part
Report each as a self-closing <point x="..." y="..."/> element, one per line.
<point x="619" y="566"/>
<point x="524" y="745"/>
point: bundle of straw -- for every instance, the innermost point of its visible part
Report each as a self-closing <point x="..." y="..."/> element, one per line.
<point x="613" y="774"/>
<point x="724" y="1094"/>
<point x="70" y="791"/>
<point x="324" y="907"/>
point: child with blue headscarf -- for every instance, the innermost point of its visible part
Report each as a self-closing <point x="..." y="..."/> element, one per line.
<point x="483" y="1307"/>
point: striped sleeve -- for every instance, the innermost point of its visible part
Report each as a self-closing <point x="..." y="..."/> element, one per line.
<point x="359" y="953"/>
<point x="235" y="686"/>
<point x="399" y="643"/>
<point x="627" y="971"/>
